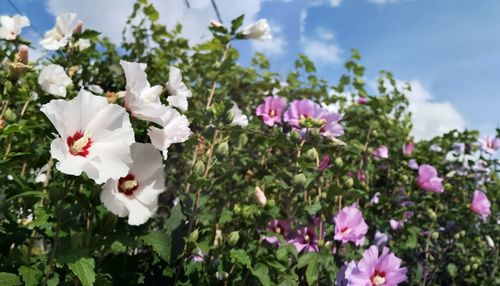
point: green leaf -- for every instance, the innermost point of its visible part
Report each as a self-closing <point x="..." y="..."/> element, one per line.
<point x="9" y="279"/>
<point x="261" y="271"/>
<point x="310" y="260"/>
<point x="30" y="275"/>
<point x="89" y="34"/>
<point x="151" y="12"/>
<point x="313" y="209"/>
<point x="160" y="243"/>
<point x="84" y="269"/>
<point x="239" y="256"/>
<point x="452" y="270"/>
<point x="236" y="23"/>
<point x="175" y="219"/>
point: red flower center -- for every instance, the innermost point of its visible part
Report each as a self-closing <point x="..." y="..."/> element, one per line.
<point x="378" y="278"/>
<point x="272" y="113"/>
<point x="127" y="185"/>
<point x="79" y="144"/>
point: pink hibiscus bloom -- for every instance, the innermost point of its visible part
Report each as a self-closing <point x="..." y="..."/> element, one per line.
<point x="350" y="226"/>
<point x="408" y="148"/>
<point x="381" y="152"/>
<point x="480" y="204"/>
<point x="375" y="270"/>
<point x="305" y="239"/>
<point x="489" y="144"/>
<point x="428" y="179"/>
<point x="281" y="227"/>
<point x="271" y="110"/>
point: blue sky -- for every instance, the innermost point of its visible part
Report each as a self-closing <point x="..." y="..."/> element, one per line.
<point x="450" y="49"/>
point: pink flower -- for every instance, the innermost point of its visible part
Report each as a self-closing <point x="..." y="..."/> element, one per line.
<point x="428" y="179"/>
<point x="480" y="204"/>
<point x="271" y="110"/>
<point x="396" y="224"/>
<point x="306" y="113"/>
<point x="489" y="144"/>
<point x="360" y="175"/>
<point x="381" y="152"/>
<point x="325" y="163"/>
<point x="281" y="227"/>
<point x="375" y="199"/>
<point x="350" y="226"/>
<point x="408" y="148"/>
<point x="374" y="270"/>
<point x="362" y="100"/>
<point x="305" y="239"/>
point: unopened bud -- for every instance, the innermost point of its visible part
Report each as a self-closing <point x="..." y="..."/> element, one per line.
<point x="467" y="268"/>
<point x="22" y="55"/>
<point x="300" y="180"/>
<point x="10" y="115"/>
<point x="199" y="168"/>
<point x="222" y="149"/>
<point x="233" y="237"/>
<point x="339" y="162"/>
<point x="435" y="235"/>
<point x="237" y="208"/>
<point x="218" y="238"/>
<point x="193" y="236"/>
<point x="78" y="28"/>
<point x="260" y="197"/>
<point x="312" y="154"/>
<point x="215" y="24"/>
<point x="475" y="266"/>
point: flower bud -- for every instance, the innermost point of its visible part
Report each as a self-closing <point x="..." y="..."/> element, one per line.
<point x="222" y="149"/>
<point x="78" y="28"/>
<point x="312" y="154"/>
<point x="467" y="268"/>
<point x="22" y="55"/>
<point x="475" y="266"/>
<point x="271" y="202"/>
<point x="260" y="197"/>
<point x="462" y="233"/>
<point x="300" y="180"/>
<point x="431" y="214"/>
<point x="456" y="236"/>
<point x="435" y="235"/>
<point x="218" y="238"/>
<point x="215" y="24"/>
<point x="294" y="135"/>
<point x="199" y="168"/>
<point x="233" y="237"/>
<point x="193" y="236"/>
<point x="339" y="162"/>
<point x="243" y="140"/>
<point x="10" y="115"/>
<point x="237" y="208"/>
<point x="349" y="182"/>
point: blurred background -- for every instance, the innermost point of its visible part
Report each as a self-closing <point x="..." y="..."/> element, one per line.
<point x="449" y="49"/>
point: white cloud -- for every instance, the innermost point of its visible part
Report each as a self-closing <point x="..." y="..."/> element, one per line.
<point x="430" y="118"/>
<point x="273" y="47"/>
<point x="109" y="16"/>
<point x="335" y="3"/>
<point x="321" y="47"/>
<point x="382" y="2"/>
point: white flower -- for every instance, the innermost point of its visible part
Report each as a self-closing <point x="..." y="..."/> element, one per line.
<point x="94" y="88"/>
<point x="141" y="99"/>
<point x="94" y="136"/>
<point x="175" y="130"/>
<point x="136" y="194"/>
<point x="259" y="30"/>
<point x="41" y="175"/>
<point x="238" y="117"/>
<point x="178" y="91"/>
<point x="82" y="44"/>
<point x="12" y="26"/>
<point x="54" y="80"/>
<point x="60" y="35"/>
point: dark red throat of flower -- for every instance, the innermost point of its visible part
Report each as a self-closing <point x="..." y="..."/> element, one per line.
<point x="127" y="185"/>
<point x="79" y="144"/>
<point x="378" y="278"/>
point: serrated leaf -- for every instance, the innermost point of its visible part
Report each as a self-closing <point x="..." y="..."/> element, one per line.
<point x="261" y="271"/>
<point x="89" y="34"/>
<point x="239" y="256"/>
<point x="313" y="209"/>
<point x="236" y="23"/>
<point x="84" y="270"/>
<point x="9" y="279"/>
<point x="160" y="242"/>
<point x="30" y="275"/>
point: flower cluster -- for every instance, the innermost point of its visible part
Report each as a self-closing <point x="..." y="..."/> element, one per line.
<point x="301" y="115"/>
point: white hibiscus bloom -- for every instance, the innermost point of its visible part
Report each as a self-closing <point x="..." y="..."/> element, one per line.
<point x="141" y="99"/>
<point x="239" y="118"/>
<point x="60" y="35"/>
<point x="54" y="80"/>
<point x="175" y="130"/>
<point x="12" y="26"/>
<point x="178" y="91"/>
<point x="259" y="30"/>
<point x="136" y="194"/>
<point x="94" y="136"/>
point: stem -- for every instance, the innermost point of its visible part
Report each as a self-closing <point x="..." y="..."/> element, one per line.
<point x="212" y="91"/>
